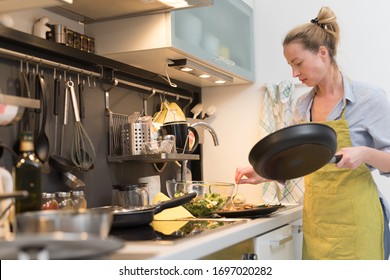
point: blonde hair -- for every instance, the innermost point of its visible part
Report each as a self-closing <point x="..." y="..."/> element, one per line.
<point x="321" y="31"/>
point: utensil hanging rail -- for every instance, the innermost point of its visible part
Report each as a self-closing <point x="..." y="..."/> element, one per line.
<point x="47" y="62"/>
<point x="154" y="91"/>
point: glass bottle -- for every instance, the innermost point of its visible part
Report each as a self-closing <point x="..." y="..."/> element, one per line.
<point x="64" y="201"/>
<point x="49" y="201"/>
<point x="79" y="201"/>
<point x="28" y="175"/>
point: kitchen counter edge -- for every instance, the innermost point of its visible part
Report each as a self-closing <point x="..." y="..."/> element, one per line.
<point x="200" y="246"/>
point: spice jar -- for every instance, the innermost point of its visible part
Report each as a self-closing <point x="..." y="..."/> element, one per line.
<point x="49" y="201"/>
<point x="78" y="199"/>
<point x="83" y="42"/>
<point x="64" y="201"/>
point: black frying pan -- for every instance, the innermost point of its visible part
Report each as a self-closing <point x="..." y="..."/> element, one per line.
<point x="294" y="151"/>
<point x="143" y="215"/>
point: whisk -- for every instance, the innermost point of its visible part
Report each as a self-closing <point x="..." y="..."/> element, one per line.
<point x="82" y="152"/>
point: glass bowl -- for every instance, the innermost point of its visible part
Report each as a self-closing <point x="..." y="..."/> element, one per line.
<point x="211" y="196"/>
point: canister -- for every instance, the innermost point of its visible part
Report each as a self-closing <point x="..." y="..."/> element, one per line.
<point x="59" y="33"/>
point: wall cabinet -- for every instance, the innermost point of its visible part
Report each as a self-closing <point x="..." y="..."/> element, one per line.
<point x="219" y="38"/>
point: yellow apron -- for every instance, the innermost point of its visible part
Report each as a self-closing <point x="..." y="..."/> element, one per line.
<point x="342" y="214"/>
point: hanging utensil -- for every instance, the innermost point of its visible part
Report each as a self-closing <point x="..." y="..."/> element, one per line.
<point x="294" y="151"/>
<point x="83" y="153"/>
<point x="42" y="145"/>
<point x="61" y="164"/>
<point x="81" y="98"/>
<point x="56" y="108"/>
<point x="72" y="181"/>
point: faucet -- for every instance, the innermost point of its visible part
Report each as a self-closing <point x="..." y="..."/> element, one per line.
<point x="209" y="129"/>
<point x="216" y="143"/>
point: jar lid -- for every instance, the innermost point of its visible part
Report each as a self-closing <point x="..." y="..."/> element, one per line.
<point x="78" y="193"/>
<point x="63" y="194"/>
<point x="48" y="195"/>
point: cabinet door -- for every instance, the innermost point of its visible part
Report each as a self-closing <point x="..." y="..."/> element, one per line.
<point x="275" y="245"/>
<point x="297" y="238"/>
<point x="221" y="35"/>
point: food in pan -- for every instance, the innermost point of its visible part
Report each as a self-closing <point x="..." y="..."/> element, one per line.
<point x="204" y="205"/>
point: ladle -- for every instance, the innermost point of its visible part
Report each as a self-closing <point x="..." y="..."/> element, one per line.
<point x="72" y="181"/>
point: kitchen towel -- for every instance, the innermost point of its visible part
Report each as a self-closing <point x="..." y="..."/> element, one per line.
<point x="276" y="111"/>
<point x="170" y="214"/>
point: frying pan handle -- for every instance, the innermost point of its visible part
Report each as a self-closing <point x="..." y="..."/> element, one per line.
<point x="174" y="202"/>
<point x="336" y="159"/>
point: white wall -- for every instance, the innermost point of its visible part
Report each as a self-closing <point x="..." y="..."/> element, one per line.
<point x="363" y="55"/>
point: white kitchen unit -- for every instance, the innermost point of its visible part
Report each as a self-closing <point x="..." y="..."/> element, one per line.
<point x="218" y="39"/>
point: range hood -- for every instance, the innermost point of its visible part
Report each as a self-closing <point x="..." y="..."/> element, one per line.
<point x="102" y="10"/>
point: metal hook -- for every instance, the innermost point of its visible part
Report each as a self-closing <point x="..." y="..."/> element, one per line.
<point x="146" y="100"/>
<point x="89" y="82"/>
<point x="113" y="85"/>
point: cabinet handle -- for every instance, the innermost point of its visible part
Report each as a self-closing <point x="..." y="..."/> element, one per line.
<point x="297" y="228"/>
<point x="276" y="243"/>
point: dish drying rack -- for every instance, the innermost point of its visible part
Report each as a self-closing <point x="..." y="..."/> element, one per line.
<point x="125" y="139"/>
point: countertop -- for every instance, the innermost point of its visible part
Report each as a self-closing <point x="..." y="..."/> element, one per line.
<point x="208" y="243"/>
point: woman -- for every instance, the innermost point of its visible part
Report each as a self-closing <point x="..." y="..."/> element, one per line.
<point x="342" y="215"/>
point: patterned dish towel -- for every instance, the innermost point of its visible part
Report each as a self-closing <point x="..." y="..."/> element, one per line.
<point x="276" y="112"/>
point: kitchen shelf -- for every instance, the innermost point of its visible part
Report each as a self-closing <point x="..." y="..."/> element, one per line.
<point x="154" y="158"/>
<point x="31" y="45"/>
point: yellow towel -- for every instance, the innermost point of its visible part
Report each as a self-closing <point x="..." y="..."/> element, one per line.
<point x="168" y="227"/>
<point x="170" y="214"/>
<point x="164" y="221"/>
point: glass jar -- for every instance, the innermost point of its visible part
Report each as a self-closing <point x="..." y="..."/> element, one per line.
<point x="64" y="201"/>
<point x="79" y="201"/>
<point x="49" y="201"/>
<point x="83" y="42"/>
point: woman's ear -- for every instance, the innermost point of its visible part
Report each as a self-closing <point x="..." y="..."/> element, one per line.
<point x="323" y="52"/>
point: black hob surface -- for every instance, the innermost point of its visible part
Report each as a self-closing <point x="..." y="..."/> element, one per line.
<point x="172" y="230"/>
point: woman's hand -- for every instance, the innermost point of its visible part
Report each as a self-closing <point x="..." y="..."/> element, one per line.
<point x="246" y="175"/>
<point x="354" y="156"/>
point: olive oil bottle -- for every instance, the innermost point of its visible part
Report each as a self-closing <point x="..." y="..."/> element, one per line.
<point x="28" y="175"/>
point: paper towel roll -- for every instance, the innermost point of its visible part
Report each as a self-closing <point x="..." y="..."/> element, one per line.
<point x="8" y="114"/>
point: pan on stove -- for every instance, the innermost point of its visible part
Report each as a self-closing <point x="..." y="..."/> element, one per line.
<point x="294" y="151"/>
<point x="144" y="215"/>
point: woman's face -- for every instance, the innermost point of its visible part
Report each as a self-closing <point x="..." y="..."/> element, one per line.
<point x="309" y="67"/>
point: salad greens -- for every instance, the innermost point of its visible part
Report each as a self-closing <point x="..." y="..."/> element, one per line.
<point x="204" y="205"/>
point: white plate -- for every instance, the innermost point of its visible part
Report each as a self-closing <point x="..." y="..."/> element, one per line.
<point x="57" y="246"/>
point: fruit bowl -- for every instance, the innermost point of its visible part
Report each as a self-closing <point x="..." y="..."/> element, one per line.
<point x="211" y="196"/>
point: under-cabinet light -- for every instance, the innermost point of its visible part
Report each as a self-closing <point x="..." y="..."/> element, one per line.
<point x="200" y="71"/>
<point x="177" y="4"/>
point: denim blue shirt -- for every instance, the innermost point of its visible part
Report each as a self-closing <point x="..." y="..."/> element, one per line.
<point x="367" y="112"/>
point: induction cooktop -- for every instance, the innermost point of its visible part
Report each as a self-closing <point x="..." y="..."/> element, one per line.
<point x="172" y="230"/>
